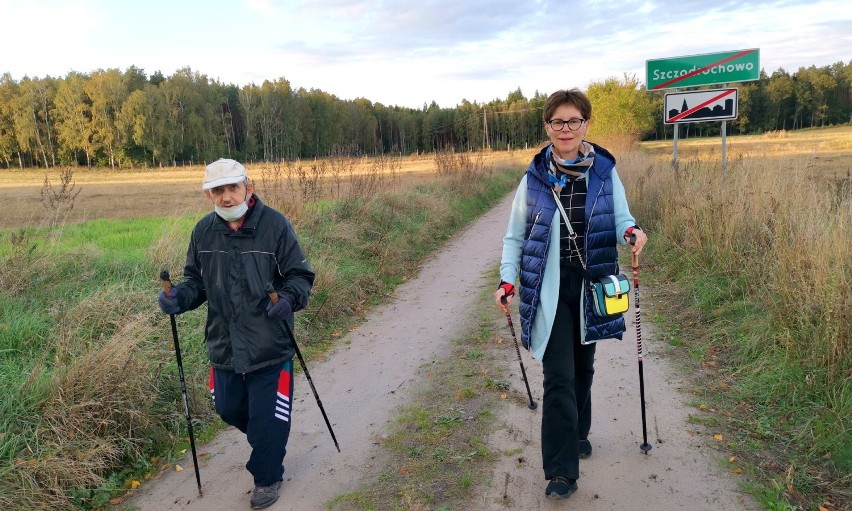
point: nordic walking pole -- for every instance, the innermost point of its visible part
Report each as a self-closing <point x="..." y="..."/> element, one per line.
<point x="167" y="286"/>
<point x="533" y="405"/>
<point x="273" y="295"/>
<point x="635" y="262"/>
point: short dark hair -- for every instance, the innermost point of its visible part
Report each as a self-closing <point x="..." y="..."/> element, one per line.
<point x="574" y="97"/>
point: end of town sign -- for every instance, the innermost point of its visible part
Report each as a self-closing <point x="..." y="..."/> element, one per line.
<point x="704" y="69"/>
<point x="700" y="105"/>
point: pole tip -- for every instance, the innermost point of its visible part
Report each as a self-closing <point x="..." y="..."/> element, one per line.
<point x="645" y="447"/>
<point x="533" y="405"/>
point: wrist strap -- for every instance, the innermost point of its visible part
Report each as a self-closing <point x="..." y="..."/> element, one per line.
<point x="508" y="289"/>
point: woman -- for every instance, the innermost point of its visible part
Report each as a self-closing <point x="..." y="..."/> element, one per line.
<point x="558" y="322"/>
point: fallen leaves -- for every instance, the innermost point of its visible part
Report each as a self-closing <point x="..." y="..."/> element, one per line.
<point x="178" y="468"/>
<point x="719" y="437"/>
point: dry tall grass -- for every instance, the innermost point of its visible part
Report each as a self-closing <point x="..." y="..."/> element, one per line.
<point x="289" y="186"/>
<point x="92" y="416"/>
<point x="759" y="263"/>
<point x="781" y="235"/>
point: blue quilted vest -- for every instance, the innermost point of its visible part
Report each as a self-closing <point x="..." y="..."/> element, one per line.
<point x="601" y="255"/>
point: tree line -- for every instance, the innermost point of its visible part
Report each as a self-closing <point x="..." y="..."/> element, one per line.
<point x="126" y="118"/>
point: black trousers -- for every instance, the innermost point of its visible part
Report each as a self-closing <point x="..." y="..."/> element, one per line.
<point x="568" y="371"/>
<point x="258" y="404"/>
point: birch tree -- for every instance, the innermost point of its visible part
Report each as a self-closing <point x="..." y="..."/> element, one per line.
<point x="107" y="92"/>
<point x="8" y="139"/>
<point x="74" y="117"/>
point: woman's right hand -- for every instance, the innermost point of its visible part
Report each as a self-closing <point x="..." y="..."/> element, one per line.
<point x="501" y="299"/>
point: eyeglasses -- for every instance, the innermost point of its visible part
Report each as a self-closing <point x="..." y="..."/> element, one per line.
<point x="573" y="124"/>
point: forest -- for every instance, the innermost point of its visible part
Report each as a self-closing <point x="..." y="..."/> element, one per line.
<point x="128" y="119"/>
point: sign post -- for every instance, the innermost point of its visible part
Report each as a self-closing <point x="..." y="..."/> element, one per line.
<point x="702" y="105"/>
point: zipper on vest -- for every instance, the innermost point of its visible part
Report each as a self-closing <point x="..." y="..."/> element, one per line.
<point x="535" y="222"/>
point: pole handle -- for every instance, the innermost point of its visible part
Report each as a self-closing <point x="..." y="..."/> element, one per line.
<point x="273" y="296"/>
<point x="166" y="281"/>
<point x="633" y="257"/>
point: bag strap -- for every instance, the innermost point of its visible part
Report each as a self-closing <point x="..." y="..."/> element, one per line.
<point x="571" y="234"/>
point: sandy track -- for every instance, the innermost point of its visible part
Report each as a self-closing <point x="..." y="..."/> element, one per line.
<point x="683" y="470"/>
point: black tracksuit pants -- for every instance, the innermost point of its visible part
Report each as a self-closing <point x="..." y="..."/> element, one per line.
<point x="568" y="371"/>
<point x="258" y="404"/>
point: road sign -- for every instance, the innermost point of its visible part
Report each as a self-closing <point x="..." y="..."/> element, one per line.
<point x="700" y="105"/>
<point x="704" y="69"/>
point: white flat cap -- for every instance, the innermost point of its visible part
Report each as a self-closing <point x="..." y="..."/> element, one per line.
<point x="223" y="172"/>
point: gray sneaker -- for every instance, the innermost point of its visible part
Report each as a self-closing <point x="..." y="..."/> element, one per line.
<point x="264" y="496"/>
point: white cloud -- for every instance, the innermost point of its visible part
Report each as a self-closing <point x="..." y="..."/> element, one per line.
<point x="35" y="34"/>
<point x="261" y="6"/>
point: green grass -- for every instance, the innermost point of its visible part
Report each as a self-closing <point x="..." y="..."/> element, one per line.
<point x="82" y="297"/>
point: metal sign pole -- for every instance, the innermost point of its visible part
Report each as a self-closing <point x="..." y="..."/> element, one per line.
<point x="676" y="127"/>
<point x="674" y="146"/>
<point x="724" y="148"/>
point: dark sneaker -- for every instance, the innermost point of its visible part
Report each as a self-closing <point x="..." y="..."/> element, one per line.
<point x="585" y="449"/>
<point x="560" y="488"/>
<point x="264" y="496"/>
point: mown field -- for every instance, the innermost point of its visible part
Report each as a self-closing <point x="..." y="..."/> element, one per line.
<point x="824" y="152"/>
<point x="139" y="193"/>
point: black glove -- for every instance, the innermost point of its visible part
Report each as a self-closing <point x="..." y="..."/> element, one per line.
<point x="169" y="304"/>
<point x="281" y="310"/>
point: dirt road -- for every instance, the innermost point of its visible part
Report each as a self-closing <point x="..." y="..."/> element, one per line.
<point x="373" y="372"/>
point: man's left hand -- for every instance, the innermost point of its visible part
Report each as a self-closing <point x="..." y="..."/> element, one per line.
<point x="281" y="310"/>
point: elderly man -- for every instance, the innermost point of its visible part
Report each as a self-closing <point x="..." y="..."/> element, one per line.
<point x="237" y="255"/>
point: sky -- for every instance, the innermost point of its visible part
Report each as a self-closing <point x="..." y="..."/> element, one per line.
<point x="410" y="53"/>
